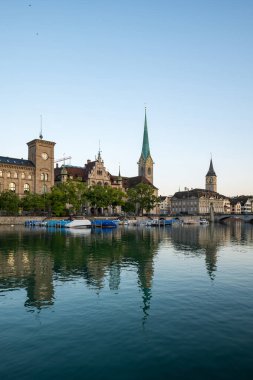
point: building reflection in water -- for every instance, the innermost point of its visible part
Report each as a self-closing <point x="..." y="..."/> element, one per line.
<point x="33" y="260"/>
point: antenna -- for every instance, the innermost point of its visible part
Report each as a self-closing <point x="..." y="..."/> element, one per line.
<point x="41" y="136"/>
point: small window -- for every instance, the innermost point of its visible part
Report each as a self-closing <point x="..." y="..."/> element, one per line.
<point x="29" y="176"/>
<point x="1" y="173"/>
<point x="12" y="187"/>
<point x="149" y="171"/>
<point x="26" y="188"/>
<point x="44" y="177"/>
<point x="8" y="174"/>
<point x="23" y="175"/>
<point x="15" y="175"/>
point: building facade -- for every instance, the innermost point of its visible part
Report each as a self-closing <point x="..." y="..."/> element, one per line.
<point x="34" y="175"/>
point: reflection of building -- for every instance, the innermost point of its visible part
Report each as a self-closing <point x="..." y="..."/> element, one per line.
<point x="35" y="175"/>
<point x="34" y="272"/>
<point x="201" y="241"/>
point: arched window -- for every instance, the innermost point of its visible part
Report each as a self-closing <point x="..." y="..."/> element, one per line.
<point x="15" y="175"/>
<point x="1" y="173"/>
<point x="29" y="176"/>
<point x="26" y="188"/>
<point x="12" y="187"/>
<point x="99" y="183"/>
<point x="44" y="177"/>
<point x="8" y="174"/>
<point x="23" y="175"/>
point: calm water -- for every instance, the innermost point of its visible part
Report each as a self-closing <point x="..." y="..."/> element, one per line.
<point x="127" y="304"/>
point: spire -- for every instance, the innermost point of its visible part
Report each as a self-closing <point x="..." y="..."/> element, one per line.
<point x="41" y="136"/>
<point x="99" y="153"/>
<point x="211" y="171"/>
<point x="145" y="145"/>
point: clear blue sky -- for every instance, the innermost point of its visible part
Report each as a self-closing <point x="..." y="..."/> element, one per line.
<point x="89" y="67"/>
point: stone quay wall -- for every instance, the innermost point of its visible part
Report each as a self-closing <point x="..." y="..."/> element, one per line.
<point x="18" y="220"/>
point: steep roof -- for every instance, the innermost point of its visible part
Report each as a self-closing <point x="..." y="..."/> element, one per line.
<point x="211" y="172"/>
<point x="129" y="182"/>
<point x="198" y="193"/>
<point x="145" y="144"/>
<point x="15" y="161"/>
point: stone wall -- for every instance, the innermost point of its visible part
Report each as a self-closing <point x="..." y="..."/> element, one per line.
<point x="9" y="220"/>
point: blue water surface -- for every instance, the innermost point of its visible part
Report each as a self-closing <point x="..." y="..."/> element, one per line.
<point x="129" y="303"/>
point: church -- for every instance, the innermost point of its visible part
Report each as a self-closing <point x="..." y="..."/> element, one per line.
<point x="95" y="172"/>
<point x="37" y="174"/>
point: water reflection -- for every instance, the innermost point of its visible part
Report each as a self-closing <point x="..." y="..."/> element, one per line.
<point x="35" y="260"/>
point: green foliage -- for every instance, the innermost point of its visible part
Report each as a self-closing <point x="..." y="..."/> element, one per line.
<point x="9" y="202"/>
<point x="142" y="198"/>
<point x="67" y="198"/>
<point x="99" y="196"/>
<point x="33" y="202"/>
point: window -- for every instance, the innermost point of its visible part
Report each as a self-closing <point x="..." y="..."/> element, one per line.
<point x="8" y="174"/>
<point x="15" y="175"/>
<point x="1" y="173"/>
<point x="23" y="175"/>
<point x="26" y="188"/>
<point x="12" y="187"/>
<point x="44" y="177"/>
<point x="29" y="176"/>
<point x="149" y="171"/>
<point x="99" y="172"/>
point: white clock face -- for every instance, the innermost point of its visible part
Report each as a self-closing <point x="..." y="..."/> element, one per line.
<point x="44" y="156"/>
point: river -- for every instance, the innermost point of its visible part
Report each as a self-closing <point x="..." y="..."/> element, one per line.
<point x="129" y="303"/>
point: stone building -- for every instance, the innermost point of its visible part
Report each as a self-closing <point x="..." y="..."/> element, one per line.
<point x="197" y="202"/>
<point x="95" y="172"/>
<point x="35" y="175"/>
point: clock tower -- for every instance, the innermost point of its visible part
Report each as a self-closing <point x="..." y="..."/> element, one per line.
<point x="41" y="154"/>
<point x="146" y="163"/>
<point x="211" y="178"/>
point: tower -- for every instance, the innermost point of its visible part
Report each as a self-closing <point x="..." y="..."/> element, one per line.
<point x="211" y="178"/>
<point x="41" y="153"/>
<point x="146" y="163"/>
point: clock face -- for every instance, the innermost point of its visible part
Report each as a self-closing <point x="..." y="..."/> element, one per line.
<point x="44" y="156"/>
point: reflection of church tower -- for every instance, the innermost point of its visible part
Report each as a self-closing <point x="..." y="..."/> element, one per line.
<point x="145" y="274"/>
<point x="211" y="178"/>
<point x="146" y="162"/>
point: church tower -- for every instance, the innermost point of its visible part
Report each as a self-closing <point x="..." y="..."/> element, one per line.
<point x="41" y="153"/>
<point x="146" y="163"/>
<point x="211" y="178"/>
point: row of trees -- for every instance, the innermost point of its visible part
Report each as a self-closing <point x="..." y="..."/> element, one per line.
<point x="75" y="197"/>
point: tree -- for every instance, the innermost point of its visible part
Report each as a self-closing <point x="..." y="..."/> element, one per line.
<point x="68" y="197"/>
<point x="142" y="196"/>
<point x="9" y="202"/>
<point x="33" y="202"/>
<point x="105" y="196"/>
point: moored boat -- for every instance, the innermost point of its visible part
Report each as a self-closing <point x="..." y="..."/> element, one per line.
<point x="78" y="223"/>
<point x="103" y="223"/>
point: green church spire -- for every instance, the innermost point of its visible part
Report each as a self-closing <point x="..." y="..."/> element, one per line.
<point x="145" y="145"/>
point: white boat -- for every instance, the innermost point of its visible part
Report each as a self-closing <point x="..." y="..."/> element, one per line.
<point x="79" y="223"/>
<point x="204" y="221"/>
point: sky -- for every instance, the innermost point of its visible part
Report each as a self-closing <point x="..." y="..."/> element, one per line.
<point x="90" y="67"/>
